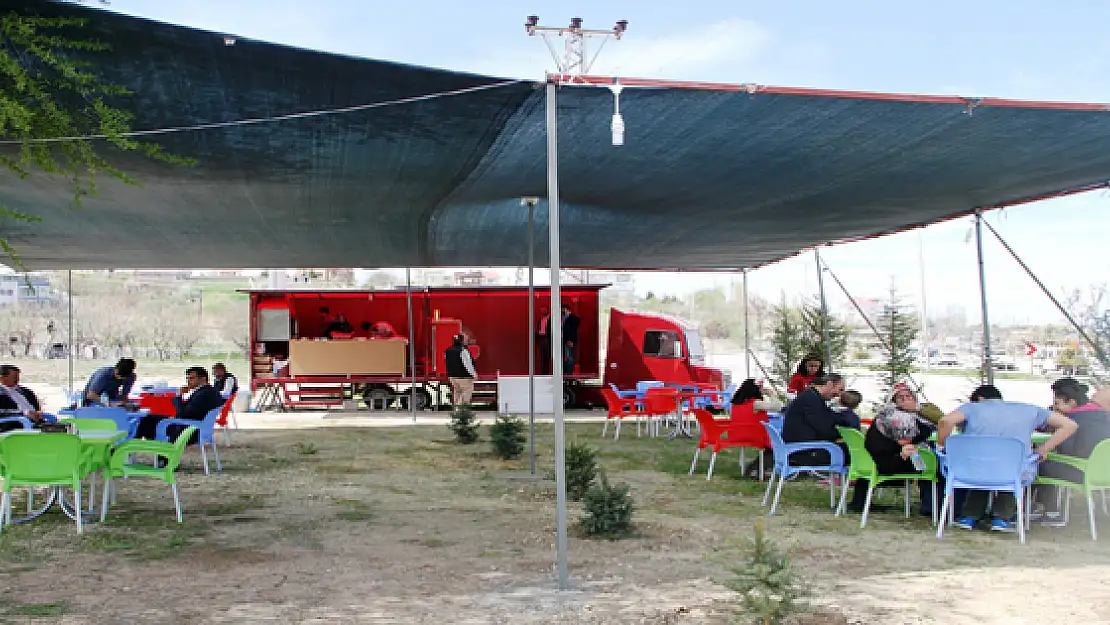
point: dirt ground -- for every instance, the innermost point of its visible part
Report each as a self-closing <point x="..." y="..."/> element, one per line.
<point x="401" y="525"/>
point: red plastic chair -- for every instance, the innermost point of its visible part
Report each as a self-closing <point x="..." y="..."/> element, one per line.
<point x="714" y="433"/>
<point x="222" y="419"/>
<point x="660" y="403"/>
<point x="746" y="430"/>
<point x="619" y="409"/>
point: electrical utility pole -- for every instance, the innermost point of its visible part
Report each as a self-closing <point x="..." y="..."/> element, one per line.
<point x="574" y="60"/>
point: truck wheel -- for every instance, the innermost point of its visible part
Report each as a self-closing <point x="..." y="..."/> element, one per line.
<point x="375" y="396"/>
<point x="423" y="399"/>
<point x="568" y="397"/>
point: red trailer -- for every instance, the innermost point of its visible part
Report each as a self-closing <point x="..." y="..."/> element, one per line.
<point x="295" y="366"/>
<point x="495" y="319"/>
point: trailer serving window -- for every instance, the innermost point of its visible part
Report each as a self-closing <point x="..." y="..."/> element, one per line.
<point x="662" y="344"/>
<point x="693" y="345"/>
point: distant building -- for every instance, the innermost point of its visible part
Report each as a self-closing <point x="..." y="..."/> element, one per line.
<point x="20" y="289"/>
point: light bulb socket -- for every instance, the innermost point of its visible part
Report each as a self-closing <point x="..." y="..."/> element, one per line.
<point x="618" y="130"/>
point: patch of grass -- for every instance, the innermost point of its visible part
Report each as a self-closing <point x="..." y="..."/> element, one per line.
<point x="338" y="469"/>
<point x="41" y="610"/>
<point x="230" y="508"/>
<point x="305" y="449"/>
<point x="353" y="510"/>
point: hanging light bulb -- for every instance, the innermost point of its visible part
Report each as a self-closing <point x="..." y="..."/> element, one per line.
<point x="617" y="125"/>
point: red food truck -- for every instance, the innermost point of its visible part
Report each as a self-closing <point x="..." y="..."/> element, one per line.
<point x="299" y="360"/>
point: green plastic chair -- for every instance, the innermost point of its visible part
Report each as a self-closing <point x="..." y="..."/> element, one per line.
<point x="91" y="425"/>
<point x="97" y="462"/>
<point x="863" y="467"/>
<point x="1096" y="477"/>
<point x="119" y="467"/>
<point x="34" y="459"/>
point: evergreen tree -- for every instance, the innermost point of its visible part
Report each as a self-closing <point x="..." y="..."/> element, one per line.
<point x="899" y="327"/>
<point x="814" y="321"/>
<point x="788" y="339"/>
<point x="770" y="590"/>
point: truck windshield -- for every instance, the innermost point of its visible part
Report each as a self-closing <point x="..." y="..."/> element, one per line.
<point x="693" y="346"/>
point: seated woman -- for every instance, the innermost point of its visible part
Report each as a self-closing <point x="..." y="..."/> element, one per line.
<point x="1070" y="397"/>
<point x="893" y="438"/>
<point x="810" y="367"/>
<point x="749" y="411"/>
<point x="750" y="392"/>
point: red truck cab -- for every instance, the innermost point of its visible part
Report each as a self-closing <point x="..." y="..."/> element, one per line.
<point x="652" y="346"/>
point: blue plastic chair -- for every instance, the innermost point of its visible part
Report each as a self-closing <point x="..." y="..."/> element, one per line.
<point x="643" y="386"/>
<point x="991" y="463"/>
<point x="623" y="394"/>
<point x="24" y="421"/>
<point x="784" y="471"/>
<point x="725" y="398"/>
<point x="125" y="421"/>
<point x="205" y="434"/>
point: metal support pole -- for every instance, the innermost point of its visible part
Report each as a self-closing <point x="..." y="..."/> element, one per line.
<point x="988" y="375"/>
<point x="747" y="332"/>
<point x="412" y="345"/>
<point x="555" y="328"/>
<point x="70" y="298"/>
<point x="532" y="333"/>
<point x="1102" y="357"/>
<point x="924" y="301"/>
<point x="824" y="310"/>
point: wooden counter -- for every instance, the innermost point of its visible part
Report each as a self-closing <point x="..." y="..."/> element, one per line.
<point x="347" y="357"/>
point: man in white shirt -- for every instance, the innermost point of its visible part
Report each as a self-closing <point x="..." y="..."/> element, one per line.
<point x="460" y="371"/>
<point x="15" y="399"/>
<point x="223" y="381"/>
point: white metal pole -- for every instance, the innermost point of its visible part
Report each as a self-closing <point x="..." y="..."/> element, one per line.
<point x="412" y="345"/>
<point x="531" y="334"/>
<point x="555" y="328"/>
<point x="70" y="298"/>
<point x="824" y="310"/>
<point x="747" y="332"/>
<point x="989" y="374"/>
<point x="924" y="301"/>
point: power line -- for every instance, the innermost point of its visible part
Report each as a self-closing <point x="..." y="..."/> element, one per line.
<point x="274" y="118"/>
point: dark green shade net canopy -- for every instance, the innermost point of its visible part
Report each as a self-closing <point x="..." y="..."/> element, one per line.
<point x="708" y="178"/>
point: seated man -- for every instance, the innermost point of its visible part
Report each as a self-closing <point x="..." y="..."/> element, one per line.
<point x="16" y="400"/>
<point x="1093" y="421"/>
<point x="224" y="382"/>
<point x="193" y="401"/>
<point x="987" y="415"/>
<point x="809" y="418"/>
<point x="115" y="382"/>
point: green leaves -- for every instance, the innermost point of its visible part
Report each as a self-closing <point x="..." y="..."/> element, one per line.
<point x="55" y="109"/>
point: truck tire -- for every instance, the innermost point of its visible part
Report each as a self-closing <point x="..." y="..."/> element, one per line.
<point x="378" y="395"/>
<point x="423" y="399"/>
<point x="568" y="396"/>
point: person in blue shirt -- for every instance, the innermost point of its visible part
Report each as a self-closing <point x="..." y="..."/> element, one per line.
<point x="987" y="415"/>
<point x="115" y="382"/>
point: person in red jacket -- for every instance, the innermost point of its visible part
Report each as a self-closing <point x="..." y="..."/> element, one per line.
<point x="809" y="368"/>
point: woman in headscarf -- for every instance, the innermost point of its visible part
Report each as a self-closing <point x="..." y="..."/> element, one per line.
<point x="894" y="436"/>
